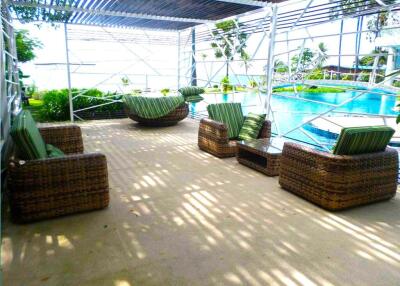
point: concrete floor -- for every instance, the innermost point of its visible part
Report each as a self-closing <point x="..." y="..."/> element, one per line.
<point x="179" y="216"/>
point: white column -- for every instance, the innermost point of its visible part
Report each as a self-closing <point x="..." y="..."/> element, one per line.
<point x="71" y="107"/>
<point x="179" y="62"/>
<point x="270" y="63"/>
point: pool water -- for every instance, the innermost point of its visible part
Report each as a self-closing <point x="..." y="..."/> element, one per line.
<point x="291" y="112"/>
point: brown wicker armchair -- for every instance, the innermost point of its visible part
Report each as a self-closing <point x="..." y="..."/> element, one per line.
<point x="213" y="138"/>
<point x="337" y="182"/>
<point x="53" y="187"/>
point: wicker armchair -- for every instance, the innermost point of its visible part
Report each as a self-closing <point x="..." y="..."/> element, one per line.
<point x="54" y="187"/>
<point x="213" y="138"/>
<point x="336" y="182"/>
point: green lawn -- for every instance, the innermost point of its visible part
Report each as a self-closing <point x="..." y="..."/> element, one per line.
<point x="302" y="88"/>
<point x="35" y="106"/>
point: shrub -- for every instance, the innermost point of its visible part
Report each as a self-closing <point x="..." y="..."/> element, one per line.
<point x="347" y="77"/>
<point x="225" y="83"/>
<point x="253" y="84"/>
<point x="56" y="102"/>
<point x="364" y="76"/>
<point x="165" y="91"/>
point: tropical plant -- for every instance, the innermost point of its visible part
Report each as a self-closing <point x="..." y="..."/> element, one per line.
<point x="322" y="57"/>
<point x="225" y="83"/>
<point x="246" y="62"/>
<point x="304" y="61"/>
<point x="229" y="41"/>
<point x="253" y="83"/>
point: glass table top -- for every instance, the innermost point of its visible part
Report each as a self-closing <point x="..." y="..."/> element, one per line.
<point x="267" y="145"/>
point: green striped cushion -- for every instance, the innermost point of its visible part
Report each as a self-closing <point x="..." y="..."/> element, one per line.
<point x="194" y="98"/>
<point x="27" y="137"/>
<point x="361" y="140"/>
<point x="251" y="126"/>
<point x="228" y="113"/>
<point x="191" y="90"/>
<point x="152" y="107"/>
<point x="53" y="151"/>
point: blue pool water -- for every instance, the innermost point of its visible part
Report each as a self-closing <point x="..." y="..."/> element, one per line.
<point x="291" y="112"/>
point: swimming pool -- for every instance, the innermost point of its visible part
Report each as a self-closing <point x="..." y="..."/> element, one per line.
<point x="291" y="112"/>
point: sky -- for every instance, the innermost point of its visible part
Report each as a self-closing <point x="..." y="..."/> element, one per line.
<point x="105" y="63"/>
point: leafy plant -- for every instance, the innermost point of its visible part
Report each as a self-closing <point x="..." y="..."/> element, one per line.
<point x="253" y="83"/>
<point x="225" y="83"/>
<point x="165" y="91"/>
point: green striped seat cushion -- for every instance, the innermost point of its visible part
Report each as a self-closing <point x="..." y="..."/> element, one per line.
<point x="361" y="140"/>
<point x="251" y="126"/>
<point x="152" y="107"/>
<point x="228" y="113"/>
<point x="27" y="138"/>
<point x="194" y="98"/>
<point x="53" y="151"/>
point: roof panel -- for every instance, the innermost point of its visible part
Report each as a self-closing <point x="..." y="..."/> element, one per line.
<point x="147" y="13"/>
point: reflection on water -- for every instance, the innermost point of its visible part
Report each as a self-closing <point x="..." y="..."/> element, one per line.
<point x="290" y="112"/>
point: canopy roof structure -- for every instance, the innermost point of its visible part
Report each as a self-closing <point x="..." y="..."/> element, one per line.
<point x="153" y="14"/>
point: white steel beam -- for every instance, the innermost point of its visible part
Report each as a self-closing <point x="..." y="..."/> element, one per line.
<point x="110" y="13"/>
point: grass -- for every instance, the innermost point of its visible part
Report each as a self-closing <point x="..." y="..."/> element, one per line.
<point x="35" y="107"/>
<point x="302" y="88"/>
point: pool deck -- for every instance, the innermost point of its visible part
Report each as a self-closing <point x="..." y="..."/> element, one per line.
<point x="179" y="216"/>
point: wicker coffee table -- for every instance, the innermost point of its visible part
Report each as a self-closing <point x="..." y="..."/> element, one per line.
<point x="262" y="155"/>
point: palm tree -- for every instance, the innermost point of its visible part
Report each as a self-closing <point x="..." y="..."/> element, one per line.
<point x="322" y="57"/>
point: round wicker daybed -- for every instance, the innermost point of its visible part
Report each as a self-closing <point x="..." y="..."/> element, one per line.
<point x="172" y="118"/>
<point x="156" y="110"/>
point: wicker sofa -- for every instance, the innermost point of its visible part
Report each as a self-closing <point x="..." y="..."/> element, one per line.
<point x="52" y="187"/>
<point x="213" y="138"/>
<point x="336" y="182"/>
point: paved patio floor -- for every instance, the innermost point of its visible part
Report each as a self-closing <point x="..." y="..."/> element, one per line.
<point x="179" y="216"/>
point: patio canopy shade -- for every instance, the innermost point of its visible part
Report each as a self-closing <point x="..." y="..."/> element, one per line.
<point x="153" y="14"/>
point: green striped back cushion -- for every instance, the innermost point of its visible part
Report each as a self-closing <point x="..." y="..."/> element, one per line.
<point x="27" y="137"/>
<point x="191" y="90"/>
<point x="194" y="98"/>
<point x="361" y="140"/>
<point x="251" y="126"/>
<point x="152" y="107"/>
<point x="228" y="113"/>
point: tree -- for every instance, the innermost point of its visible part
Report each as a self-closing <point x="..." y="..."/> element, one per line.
<point x="30" y="14"/>
<point x="369" y="60"/>
<point x="301" y="64"/>
<point x="228" y="41"/>
<point x="26" y="46"/>
<point x="246" y="62"/>
<point x="280" y="66"/>
<point x="322" y="57"/>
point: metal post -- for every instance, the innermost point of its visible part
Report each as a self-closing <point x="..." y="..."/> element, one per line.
<point x="71" y="107"/>
<point x="194" y="70"/>
<point x="179" y="61"/>
<point x="270" y="65"/>
<point x="340" y="46"/>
